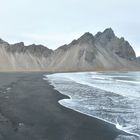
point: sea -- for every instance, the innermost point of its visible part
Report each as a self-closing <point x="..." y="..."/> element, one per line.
<point x="113" y="97"/>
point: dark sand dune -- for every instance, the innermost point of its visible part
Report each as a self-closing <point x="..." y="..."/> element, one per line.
<point x="29" y="110"/>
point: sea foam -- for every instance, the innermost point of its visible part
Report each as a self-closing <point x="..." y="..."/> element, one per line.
<point x="111" y="97"/>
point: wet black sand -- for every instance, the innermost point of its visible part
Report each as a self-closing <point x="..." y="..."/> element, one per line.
<point x="29" y="110"/>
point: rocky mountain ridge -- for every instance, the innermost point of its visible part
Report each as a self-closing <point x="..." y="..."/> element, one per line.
<point x="101" y="52"/>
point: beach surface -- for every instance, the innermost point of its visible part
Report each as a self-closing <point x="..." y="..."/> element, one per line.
<point x="29" y="110"/>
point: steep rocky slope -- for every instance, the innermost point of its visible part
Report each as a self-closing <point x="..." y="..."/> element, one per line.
<point x="104" y="51"/>
<point x="18" y="57"/>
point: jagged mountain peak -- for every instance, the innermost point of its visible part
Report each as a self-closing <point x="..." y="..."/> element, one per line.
<point x="37" y="46"/>
<point x="87" y="36"/>
<point x="108" y="30"/>
<point x="19" y="44"/>
<point x="32" y="46"/>
<point x="107" y="34"/>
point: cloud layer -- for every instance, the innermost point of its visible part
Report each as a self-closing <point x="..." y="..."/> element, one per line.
<point x="57" y="22"/>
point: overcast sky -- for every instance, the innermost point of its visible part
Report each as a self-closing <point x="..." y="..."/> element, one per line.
<point x="57" y="22"/>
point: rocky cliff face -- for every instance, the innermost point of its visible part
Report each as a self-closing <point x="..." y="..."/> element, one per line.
<point x="17" y="57"/>
<point x="104" y="51"/>
<point x="119" y="46"/>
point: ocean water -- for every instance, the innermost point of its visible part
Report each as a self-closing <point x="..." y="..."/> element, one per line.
<point x="112" y="97"/>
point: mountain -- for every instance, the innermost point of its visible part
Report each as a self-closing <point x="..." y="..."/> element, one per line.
<point x="103" y="51"/>
<point x="17" y="57"/>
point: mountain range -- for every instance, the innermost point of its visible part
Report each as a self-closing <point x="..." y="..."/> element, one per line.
<point x="101" y="52"/>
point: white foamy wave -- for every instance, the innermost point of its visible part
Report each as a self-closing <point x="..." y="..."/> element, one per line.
<point x="131" y="82"/>
<point x="115" y="80"/>
<point x="103" y="96"/>
<point x="105" y="83"/>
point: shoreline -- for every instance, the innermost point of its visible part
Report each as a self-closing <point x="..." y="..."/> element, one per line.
<point x="124" y="132"/>
<point x="70" y="98"/>
<point x="31" y="111"/>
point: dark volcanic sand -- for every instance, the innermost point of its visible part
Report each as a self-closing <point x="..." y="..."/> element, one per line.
<point x="30" y="111"/>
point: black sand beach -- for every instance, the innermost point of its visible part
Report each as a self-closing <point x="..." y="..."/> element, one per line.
<point x="29" y="110"/>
